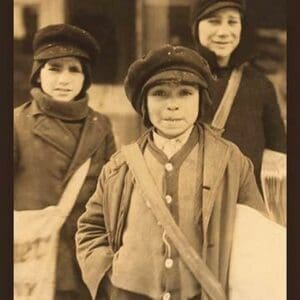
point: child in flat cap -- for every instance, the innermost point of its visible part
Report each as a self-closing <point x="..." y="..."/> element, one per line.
<point x="222" y="35"/>
<point x="55" y="133"/>
<point x="168" y="200"/>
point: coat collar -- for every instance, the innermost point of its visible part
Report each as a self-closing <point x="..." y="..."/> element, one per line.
<point x="49" y="129"/>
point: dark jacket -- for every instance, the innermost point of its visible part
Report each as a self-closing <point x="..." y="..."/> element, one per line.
<point x="228" y="179"/>
<point x="254" y="122"/>
<point x="43" y="164"/>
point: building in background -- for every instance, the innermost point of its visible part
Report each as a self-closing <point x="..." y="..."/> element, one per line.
<point x="126" y="29"/>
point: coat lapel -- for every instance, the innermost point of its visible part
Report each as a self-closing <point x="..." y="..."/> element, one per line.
<point x="92" y="136"/>
<point x="216" y="154"/>
<point x="51" y="131"/>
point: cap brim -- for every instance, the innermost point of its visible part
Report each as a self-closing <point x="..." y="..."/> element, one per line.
<point x="56" y="51"/>
<point x="180" y="76"/>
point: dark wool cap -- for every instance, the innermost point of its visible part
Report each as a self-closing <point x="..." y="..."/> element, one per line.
<point x="61" y="40"/>
<point x="202" y="8"/>
<point x="168" y="63"/>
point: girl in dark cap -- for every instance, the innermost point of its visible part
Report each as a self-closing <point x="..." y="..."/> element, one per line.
<point x="54" y="133"/>
<point x="160" y="223"/>
<point x="223" y="37"/>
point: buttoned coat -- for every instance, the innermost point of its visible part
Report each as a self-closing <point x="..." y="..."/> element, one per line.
<point x="228" y="179"/>
<point x="44" y="162"/>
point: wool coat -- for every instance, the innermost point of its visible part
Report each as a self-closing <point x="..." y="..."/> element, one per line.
<point x="44" y="162"/>
<point x="228" y="179"/>
<point x="254" y="122"/>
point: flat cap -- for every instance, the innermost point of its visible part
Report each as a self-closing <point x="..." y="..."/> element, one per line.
<point x="202" y="8"/>
<point x="166" y="63"/>
<point x="61" y="40"/>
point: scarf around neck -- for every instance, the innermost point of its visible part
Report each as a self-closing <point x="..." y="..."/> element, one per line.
<point x="69" y="111"/>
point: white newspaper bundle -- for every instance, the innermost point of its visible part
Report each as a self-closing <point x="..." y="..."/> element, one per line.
<point x="273" y="178"/>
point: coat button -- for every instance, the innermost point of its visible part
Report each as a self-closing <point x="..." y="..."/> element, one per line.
<point x="148" y="204"/>
<point x="166" y="296"/>
<point x="168" y="199"/>
<point x="169" y="167"/>
<point x="169" y="263"/>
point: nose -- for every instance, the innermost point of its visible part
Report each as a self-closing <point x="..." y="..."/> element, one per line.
<point x="223" y="30"/>
<point x="64" y="78"/>
<point x="172" y="104"/>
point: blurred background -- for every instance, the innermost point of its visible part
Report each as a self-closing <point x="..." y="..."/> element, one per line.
<point x="127" y="29"/>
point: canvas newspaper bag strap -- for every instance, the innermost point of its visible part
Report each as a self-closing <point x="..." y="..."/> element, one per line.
<point x="224" y="108"/>
<point x="36" y="236"/>
<point x="151" y="193"/>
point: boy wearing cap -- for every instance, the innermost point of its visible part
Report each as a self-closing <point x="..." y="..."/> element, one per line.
<point x="222" y="35"/>
<point x="54" y="133"/>
<point x="172" y="202"/>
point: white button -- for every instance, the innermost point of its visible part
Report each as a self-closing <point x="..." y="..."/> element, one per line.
<point x="148" y="204"/>
<point x="169" y="167"/>
<point x="95" y="119"/>
<point x="168" y="199"/>
<point x="169" y="263"/>
<point x="166" y="296"/>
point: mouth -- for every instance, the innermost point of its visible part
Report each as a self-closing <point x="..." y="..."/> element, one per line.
<point x="172" y="119"/>
<point x="222" y="44"/>
<point x="62" y="90"/>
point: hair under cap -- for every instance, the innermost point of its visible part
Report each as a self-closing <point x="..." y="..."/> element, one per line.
<point x="168" y="63"/>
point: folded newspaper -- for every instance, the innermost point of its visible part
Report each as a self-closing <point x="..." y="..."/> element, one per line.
<point x="273" y="178"/>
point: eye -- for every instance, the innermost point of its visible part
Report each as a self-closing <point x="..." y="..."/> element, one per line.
<point x="75" y="69"/>
<point x="213" y="21"/>
<point x="54" y="68"/>
<point x="158" y="93"/>
<point x="185" y="92"/>
<point x="233" y="22"/>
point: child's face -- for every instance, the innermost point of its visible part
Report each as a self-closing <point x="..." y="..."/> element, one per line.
<point x="62" y="78"/>
<point x="173" y="108"/>
<point x="221" y="32"/>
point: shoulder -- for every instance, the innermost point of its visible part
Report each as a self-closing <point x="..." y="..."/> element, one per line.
<point x="214" y="136"/>
<point x="20" y="110"/>
<point x="251" y="73"/>
<point x="116" y="163"/>
<point x="99" y="117"/>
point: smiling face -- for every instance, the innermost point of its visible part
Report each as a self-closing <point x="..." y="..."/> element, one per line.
<point x="173" y="108"/>
<point x="221" y="33"/>
<point x="62" y="78"/>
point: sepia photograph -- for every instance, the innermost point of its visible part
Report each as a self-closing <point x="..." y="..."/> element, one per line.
<point x="149" y="149"/>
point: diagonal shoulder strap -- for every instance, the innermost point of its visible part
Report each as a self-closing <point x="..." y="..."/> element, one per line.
<point x="150" y="192"/>
<point x="73" y="187"/>
<point x="224" y="108"/>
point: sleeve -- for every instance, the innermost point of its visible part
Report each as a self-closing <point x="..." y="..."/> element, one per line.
<point x="273" y="123"/>
<point x="94" y="254"/>
<point x="248" y="192"/>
